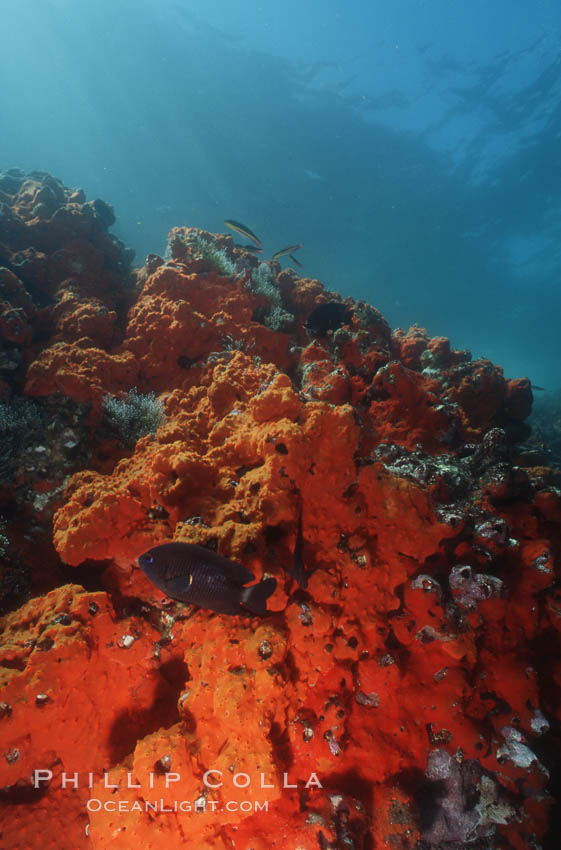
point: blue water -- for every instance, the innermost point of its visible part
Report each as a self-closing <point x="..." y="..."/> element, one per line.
<point x="412" y="146"/>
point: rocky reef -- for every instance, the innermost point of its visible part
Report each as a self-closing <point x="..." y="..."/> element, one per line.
<point x="406" y="695"/>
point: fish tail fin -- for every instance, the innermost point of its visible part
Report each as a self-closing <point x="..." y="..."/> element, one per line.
<point x="254" y="598"/>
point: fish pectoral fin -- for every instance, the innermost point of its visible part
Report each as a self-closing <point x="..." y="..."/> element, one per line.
<point x="178" y="584"/>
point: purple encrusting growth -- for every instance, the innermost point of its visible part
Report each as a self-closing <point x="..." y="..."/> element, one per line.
<point x="460" y="805"/>
<point x="469" y="588"/>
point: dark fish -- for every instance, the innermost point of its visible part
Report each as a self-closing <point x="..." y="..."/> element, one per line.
<point x="296" y="262"/>
<point x="288" y="250"/>
<point x="245" y="231"/>
<point x="252" y="249"/>
<point x="201" y="577"/>
<point x="328" y="317"/>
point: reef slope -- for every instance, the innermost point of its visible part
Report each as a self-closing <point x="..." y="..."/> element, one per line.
<point x="416" y="677"/>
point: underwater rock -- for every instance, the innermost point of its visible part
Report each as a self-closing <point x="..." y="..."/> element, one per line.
<point x="198" y="316"/>
<point x="80" y="372"/>
<point x="415" y="674"/>
<point x="77" y="704"/>
<point x="408" y="347"/>
<point x="406" y="409"/>
<point x="64" y="277"/>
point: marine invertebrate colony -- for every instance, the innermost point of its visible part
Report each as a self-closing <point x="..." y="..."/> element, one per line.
<point x="133" y="416"/>
<point x="404" y="695"/>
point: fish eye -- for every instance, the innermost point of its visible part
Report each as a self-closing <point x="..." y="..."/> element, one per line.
<point x="149" y="559"/>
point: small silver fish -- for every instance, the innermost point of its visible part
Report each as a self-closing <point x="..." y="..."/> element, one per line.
<point x="238" y="227"/>
<point x="251" y="249"/>
<point x="288" y="250"/>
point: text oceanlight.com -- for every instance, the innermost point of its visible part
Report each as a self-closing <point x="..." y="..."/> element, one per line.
<point x="160" y="806"/>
